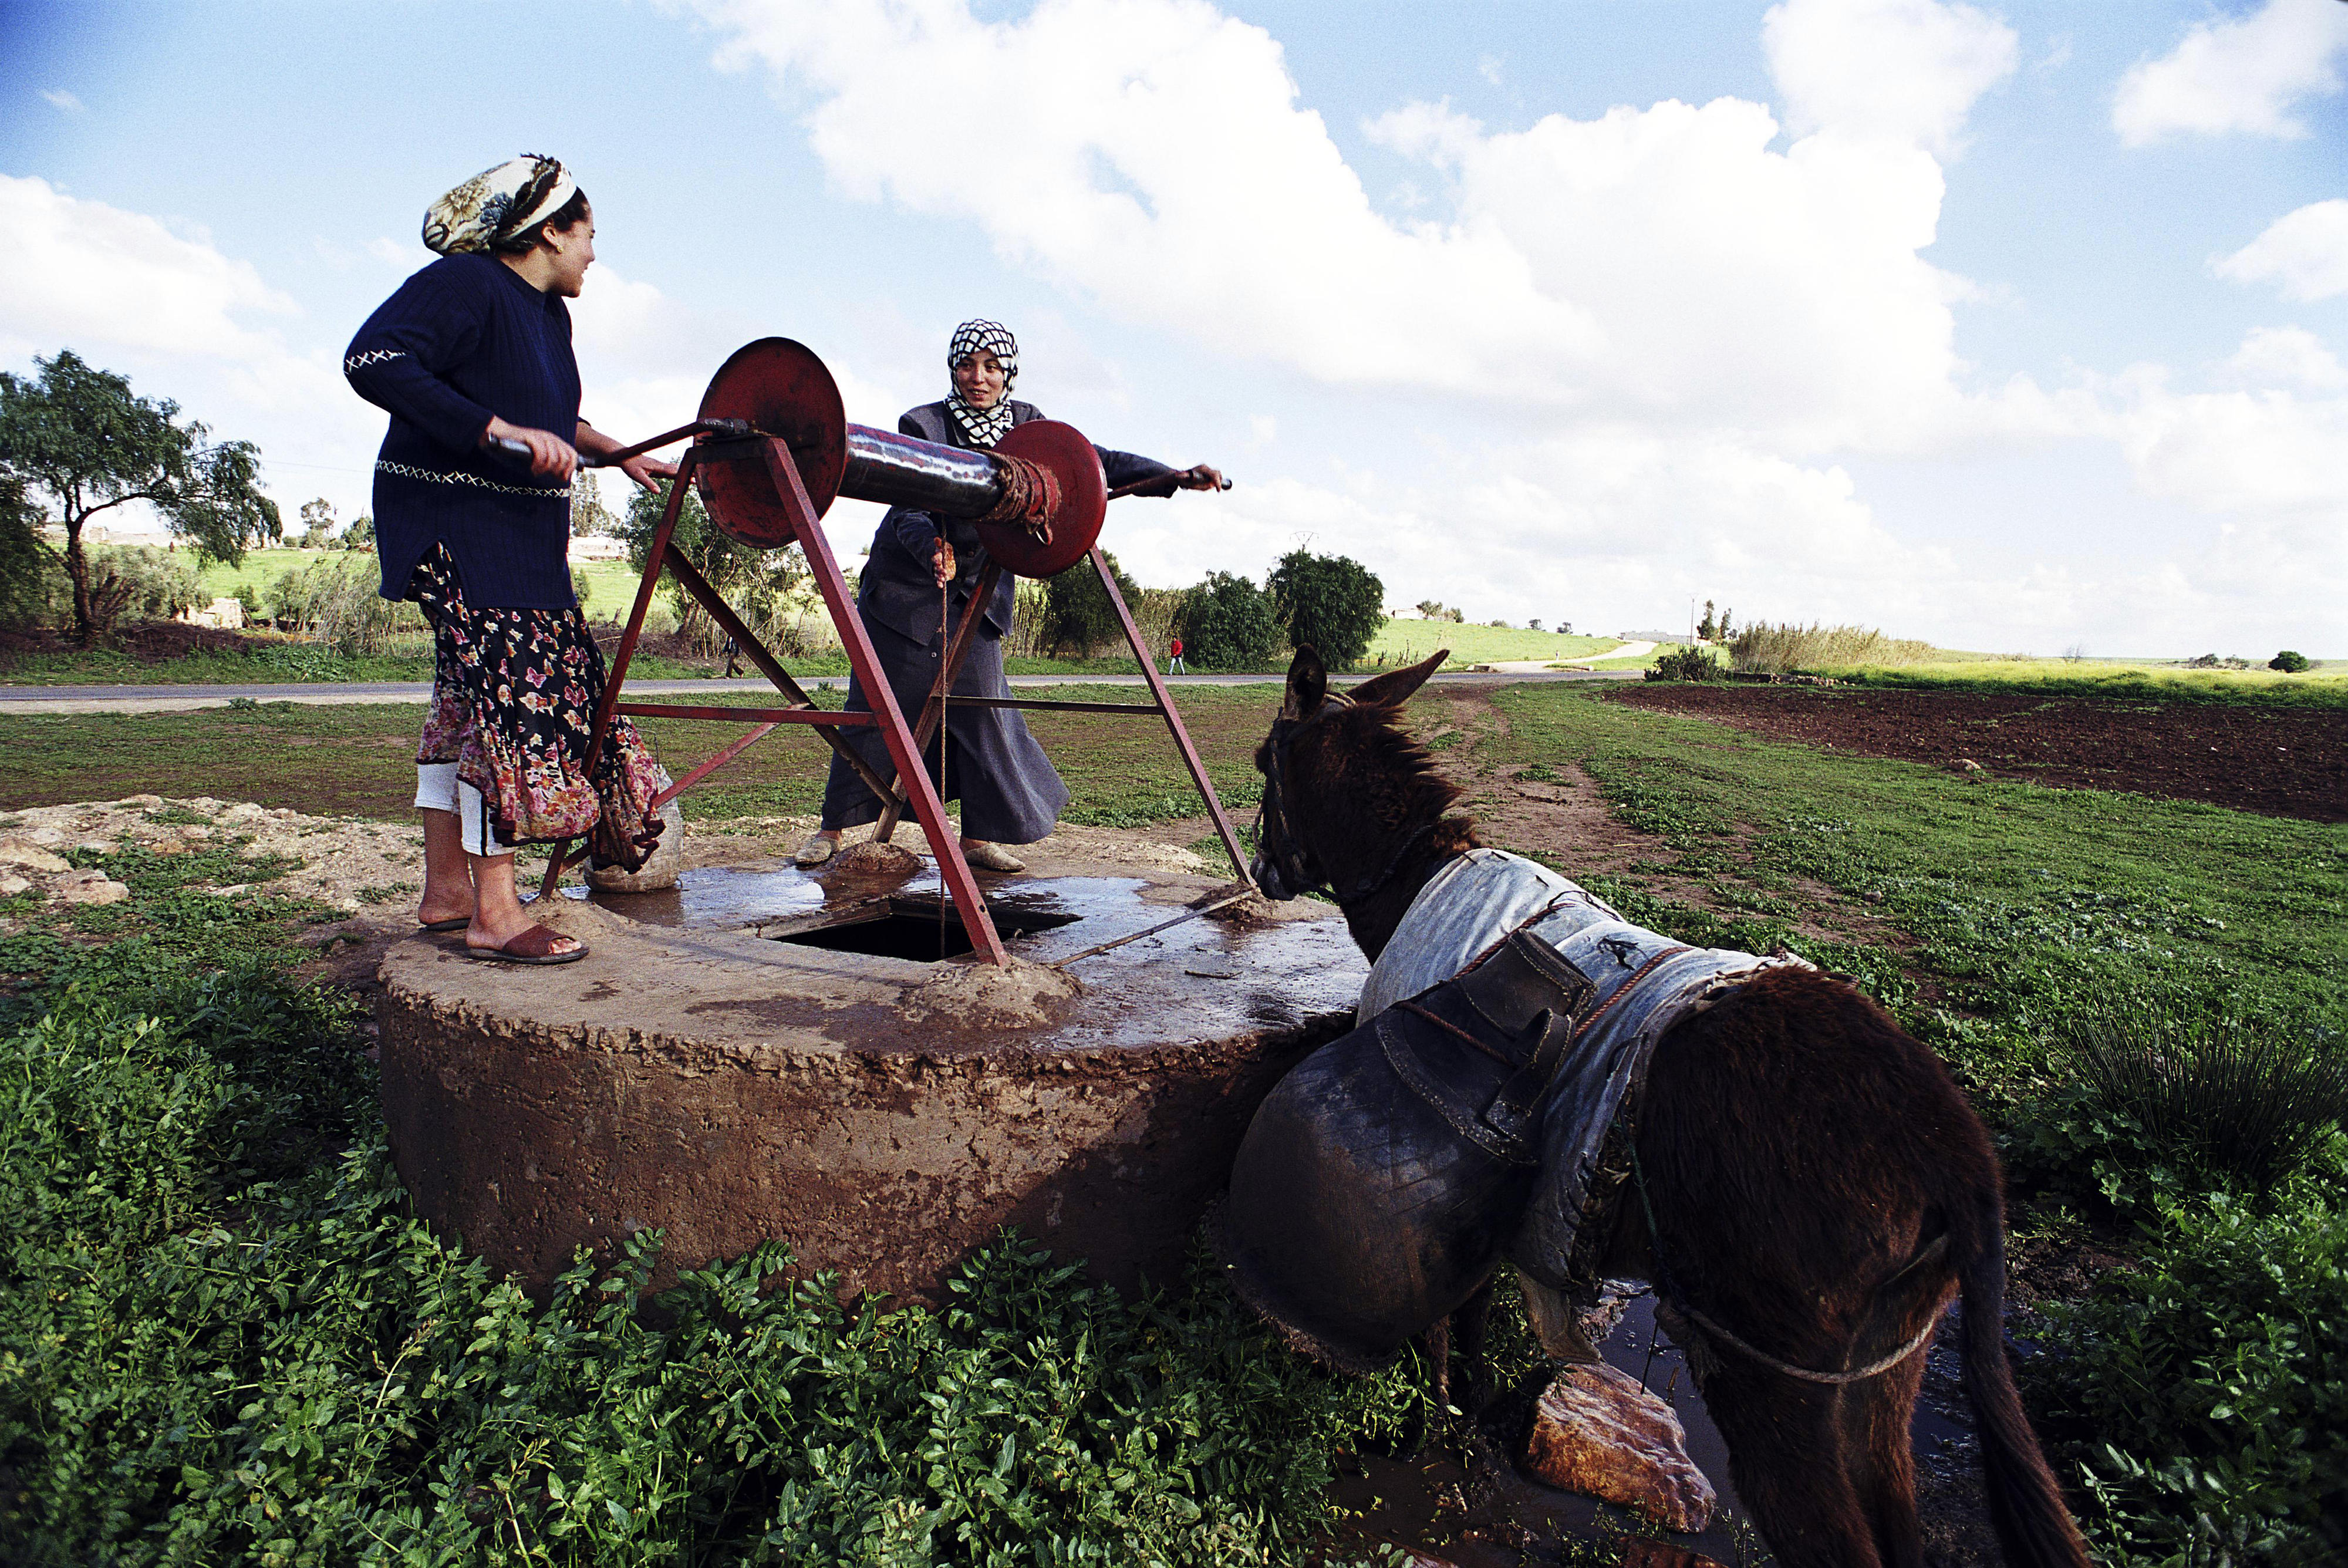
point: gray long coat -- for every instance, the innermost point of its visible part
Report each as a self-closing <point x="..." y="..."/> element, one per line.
<point x="1009" y="791"/>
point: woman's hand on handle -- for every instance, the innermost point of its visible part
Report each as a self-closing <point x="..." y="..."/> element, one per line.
<point x="645" y="469"/>
<point x="1202" y="478"/>
<point x="942" y="562"/>
<point x="648" y="471"/>
<point x="551" y="457"/>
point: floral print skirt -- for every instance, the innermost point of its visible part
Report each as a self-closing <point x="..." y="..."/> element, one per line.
<point x="513" y="706"/>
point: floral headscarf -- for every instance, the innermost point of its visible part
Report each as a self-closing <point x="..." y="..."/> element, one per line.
<point x="497" y="204"/>
<point x="984" y="426"/>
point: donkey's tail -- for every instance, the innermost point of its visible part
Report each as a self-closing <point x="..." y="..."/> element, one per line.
<point x="2033" y="1527"/>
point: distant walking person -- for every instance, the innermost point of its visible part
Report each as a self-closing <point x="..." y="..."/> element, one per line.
<point x="1009" y="791"/>
<point x="1174" y="664"/>
<point x="472" y="360"/>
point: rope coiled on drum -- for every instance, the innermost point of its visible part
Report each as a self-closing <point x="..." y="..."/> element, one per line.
<point x="1031" y="493"/>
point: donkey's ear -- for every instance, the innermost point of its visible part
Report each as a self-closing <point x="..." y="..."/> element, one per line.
<point x="1392" y="688"/>
<point x="1308" y="682"/>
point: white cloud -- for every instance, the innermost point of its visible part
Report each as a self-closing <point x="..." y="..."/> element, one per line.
<point x="2246" y="73"/>
<point x="60" y="98"/>
<point x="1153" y="154"/>
<point x="79" y="272"/>
<point x="2304" y="252"/>
<point x="2288" y="357"/>
<point x="1906" y="71"/>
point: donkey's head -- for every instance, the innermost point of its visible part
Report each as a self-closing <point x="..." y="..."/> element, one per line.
<point x="1351" y="802"/>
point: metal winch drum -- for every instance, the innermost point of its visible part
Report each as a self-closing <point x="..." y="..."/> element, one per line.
<point x="781" y="388"/>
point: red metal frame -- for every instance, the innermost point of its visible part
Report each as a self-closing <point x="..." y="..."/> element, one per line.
<point x="905" y="743"/>
<point x="1161" y="703"/>
<point x="953" y="870"/>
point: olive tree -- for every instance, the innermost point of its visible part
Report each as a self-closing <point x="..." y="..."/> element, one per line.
<point x="1228" y="624"/>
<point x="1331" y="601"/>
<point x="78" y="438"/>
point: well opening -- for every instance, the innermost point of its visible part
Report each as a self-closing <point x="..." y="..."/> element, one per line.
<point x="924" y="930"/>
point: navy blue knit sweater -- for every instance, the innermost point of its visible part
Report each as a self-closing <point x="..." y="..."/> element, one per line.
<point x="463" y="339"/>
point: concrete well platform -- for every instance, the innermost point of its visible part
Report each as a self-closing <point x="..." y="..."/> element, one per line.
<point x="708" y="1071"/>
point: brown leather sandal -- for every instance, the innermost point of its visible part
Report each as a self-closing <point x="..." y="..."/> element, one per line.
<point x="533" y="946"/>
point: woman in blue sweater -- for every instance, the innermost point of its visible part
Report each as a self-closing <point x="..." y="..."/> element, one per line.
<point x="472" y="360"/>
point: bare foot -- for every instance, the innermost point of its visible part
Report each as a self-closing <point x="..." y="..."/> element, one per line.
<point x="455" y="904"/>
<point x="496" y="929"/>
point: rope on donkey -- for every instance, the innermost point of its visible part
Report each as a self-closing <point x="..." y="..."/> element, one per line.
<point x="1701" y="1360"/>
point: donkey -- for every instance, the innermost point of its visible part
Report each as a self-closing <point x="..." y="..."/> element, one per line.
<point x="1813" y="1186"/>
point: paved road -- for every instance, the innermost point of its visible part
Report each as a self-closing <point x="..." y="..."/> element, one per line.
<point x="70" y="699"/>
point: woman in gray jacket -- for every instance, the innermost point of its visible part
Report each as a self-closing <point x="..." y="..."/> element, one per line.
<point x="1009" y="791"/>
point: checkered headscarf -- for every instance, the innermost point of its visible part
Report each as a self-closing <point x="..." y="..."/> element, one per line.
<point x="984" y="426"/>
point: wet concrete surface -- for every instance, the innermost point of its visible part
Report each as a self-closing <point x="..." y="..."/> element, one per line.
<point x="708" y="1072"/>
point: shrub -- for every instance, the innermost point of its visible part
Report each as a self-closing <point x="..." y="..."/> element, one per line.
<point x="2243" y="1103"/>
<point x="138" y="582"/>
<point x="1331" y="601"/>
<point x="1687" y="665"/>
<point x="1778" y="650"/>
<point x="2288" y="662"/>
<point x="205" y="1358"/>
<point x="2202" y="1394"/>
<point x="336" y="598"/>
<point x="1078" y="616"/>
<point x="1228" y="624"/>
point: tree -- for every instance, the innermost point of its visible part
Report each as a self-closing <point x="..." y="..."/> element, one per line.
<point x="759" y="585"/>
<point x="80" y="438"/>
<point x="1728" y="626"/>
<point x="25" y="561"/>
<point x="318" y="524"/>
<point x="1533" y="624"/>
<point x="360" y="535"/>
<point x="1227" y="623"/>
<point x="589" y="515"/>
<point x="1331" y="601"/>
<point x="2289" y="662"/>
<point x="1076" y="611"/>
<point x="1709" y="627"/>
<point x="1430" y="608"/>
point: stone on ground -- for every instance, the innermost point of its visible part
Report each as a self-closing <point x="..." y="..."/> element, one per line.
<point x="1597" y="1433"/>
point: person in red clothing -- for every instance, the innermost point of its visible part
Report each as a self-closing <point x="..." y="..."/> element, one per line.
<point x="1174" y="664"/>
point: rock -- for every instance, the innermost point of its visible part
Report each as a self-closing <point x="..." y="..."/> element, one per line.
<point x="657" y="874"/>
<point x="232" y="890"/>
<point x="195" y="832"/>
<point x="243" y="812"/>
<point x="92" y="887"/>
<point x="141" y="802"/>
<point x="875" y="860"/>
<point x="1597" y="1433"/>
<point x="1965" y="765"/>
<point x="46" y="836"/>
<point x="17" y="852"/>
<point x="11" y="884"/>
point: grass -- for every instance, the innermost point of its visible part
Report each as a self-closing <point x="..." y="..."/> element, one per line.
<point x="359" y="759"/>
<point x="2325" y="687"/>
<point x="1407" y="642"/>
<point x="2004" y="908"/>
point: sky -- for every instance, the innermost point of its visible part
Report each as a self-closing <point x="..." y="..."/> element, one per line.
<point x="2020" y="328"/>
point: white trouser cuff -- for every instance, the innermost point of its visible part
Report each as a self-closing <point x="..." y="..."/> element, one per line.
<point x="473" y="817"/>
<point x="436" y="786"/>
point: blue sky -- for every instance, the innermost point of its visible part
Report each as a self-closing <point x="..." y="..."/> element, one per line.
<point x="2016" y="327"/>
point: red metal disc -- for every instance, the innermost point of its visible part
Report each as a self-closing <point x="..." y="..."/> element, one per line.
<point x="1084" y="500"/>
<point x="783" y="390"/>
